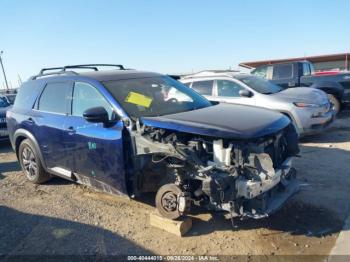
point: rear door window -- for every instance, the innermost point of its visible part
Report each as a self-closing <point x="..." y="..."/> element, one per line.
<point x="55" y="98"/>
<point x="203" y="87"/>
<point x="283" y="71"/>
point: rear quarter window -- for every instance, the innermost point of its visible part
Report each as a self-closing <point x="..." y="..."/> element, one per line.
<point x="27" y="94"/>
<point x="188" y="84"/>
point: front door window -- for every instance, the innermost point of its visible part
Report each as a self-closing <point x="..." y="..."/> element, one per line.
<point x="86" y="96"/>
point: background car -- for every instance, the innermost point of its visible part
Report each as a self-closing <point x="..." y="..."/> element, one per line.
<point x="11" y="98"/>
<point x="4" y="106"/>
<point x="302" y="74"/>
<point x="308" y="108"/>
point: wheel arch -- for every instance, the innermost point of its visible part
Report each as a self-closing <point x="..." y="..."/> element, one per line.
<point x="22" y="134"/>
<point x="328" y="87"/>
<point x="289" y="115"/>
<point x="297" y="125"/>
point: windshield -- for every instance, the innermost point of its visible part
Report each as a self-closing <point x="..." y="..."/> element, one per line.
<point x="260" y="85"/>
<point x="4" y="102"/>
<point x="154" y="96"/>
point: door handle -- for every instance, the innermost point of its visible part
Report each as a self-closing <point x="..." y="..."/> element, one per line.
<point x="71" y="130"/>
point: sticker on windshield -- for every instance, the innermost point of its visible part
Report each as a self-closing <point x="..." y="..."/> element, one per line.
<point x="138" y="99"/>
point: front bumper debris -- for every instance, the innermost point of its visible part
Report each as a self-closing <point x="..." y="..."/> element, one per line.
<point x="259" y="199"/>
<point x="270" y="201"/>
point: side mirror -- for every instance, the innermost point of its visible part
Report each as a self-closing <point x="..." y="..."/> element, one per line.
<point x="245" y="93"/>
<point x="96" y="115"/>
<point x="214" y="103"/>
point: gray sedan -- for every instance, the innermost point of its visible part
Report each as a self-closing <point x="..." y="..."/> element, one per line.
<point x="308" y="108"/>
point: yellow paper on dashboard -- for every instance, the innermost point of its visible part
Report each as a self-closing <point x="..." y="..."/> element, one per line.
<point x="138" y="99"/>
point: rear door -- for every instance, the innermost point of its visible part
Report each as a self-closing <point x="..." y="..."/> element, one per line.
<point x="284" y="75"/>
<point x="306" y="78"/>
<point x="97" y="149"/>
<point x="48" y="121"/>
<point x="205" y="88"/>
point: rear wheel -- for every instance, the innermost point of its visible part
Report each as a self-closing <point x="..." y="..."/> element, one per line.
<point x="335" y="103"/>
<point x="167" y="201"/>
<point x="31" y="164"/>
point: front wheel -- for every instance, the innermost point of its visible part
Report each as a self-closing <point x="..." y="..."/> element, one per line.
<point x="335" y="103"/>
<point x="167" y="201"/>
<point x="31" y="164"/>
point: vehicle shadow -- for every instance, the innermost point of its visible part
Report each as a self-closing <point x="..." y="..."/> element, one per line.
<point x="55" y="181"/>
<point x="295" y="219"/>
<point x="25" y="234"/>
<point x="5" y="147"/>
<point x="13" y="166"/>
<point x="303" y="216"/>
<point x="9" y="167"/>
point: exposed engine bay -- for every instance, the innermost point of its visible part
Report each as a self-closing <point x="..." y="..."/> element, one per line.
<point x="250" y="178"/>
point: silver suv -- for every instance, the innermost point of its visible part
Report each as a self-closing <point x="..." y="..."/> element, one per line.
<point x="308" y="108"/>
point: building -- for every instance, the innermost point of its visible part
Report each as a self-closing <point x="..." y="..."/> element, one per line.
<point x="334" y="62"/>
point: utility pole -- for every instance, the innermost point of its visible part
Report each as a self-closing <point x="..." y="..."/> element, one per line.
<point x="3" y="70"/>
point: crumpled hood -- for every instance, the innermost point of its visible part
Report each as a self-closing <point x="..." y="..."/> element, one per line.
<point x="223" y="121"/>
<point x="302" y="94"/>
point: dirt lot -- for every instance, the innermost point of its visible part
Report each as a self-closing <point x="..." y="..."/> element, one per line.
<point x="61" y="217"/>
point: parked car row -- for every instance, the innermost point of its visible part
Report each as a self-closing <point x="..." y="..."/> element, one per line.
<point x="302" y="73"/>
<point x="309" y="109"/>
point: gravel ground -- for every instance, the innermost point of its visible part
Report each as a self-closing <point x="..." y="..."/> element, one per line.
<point x="61" y="217"/>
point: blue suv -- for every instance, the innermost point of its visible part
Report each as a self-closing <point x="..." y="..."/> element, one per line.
<point x="121" y="132"/>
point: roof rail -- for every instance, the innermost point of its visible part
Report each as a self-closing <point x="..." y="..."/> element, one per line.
<point x="63" y="69"/>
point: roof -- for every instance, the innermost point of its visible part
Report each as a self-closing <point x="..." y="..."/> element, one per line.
<point x="209" y="73"/>
<point x="109" y="75"/>
<point x="312" y="59"/>
<point x="99" y="75"/>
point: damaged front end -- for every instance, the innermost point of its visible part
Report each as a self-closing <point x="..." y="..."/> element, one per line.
<point x="247" y="178"/>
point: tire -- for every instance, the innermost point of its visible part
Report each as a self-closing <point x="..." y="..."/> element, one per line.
<point x="31" y="164"/>
<point x="166" y="201"/>
<point x="335" y="102"/>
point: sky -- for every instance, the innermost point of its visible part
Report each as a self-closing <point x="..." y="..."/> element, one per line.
<point x="166" y="36"/>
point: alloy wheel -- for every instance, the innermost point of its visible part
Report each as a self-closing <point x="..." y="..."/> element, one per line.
<point x="29" y="162"/>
